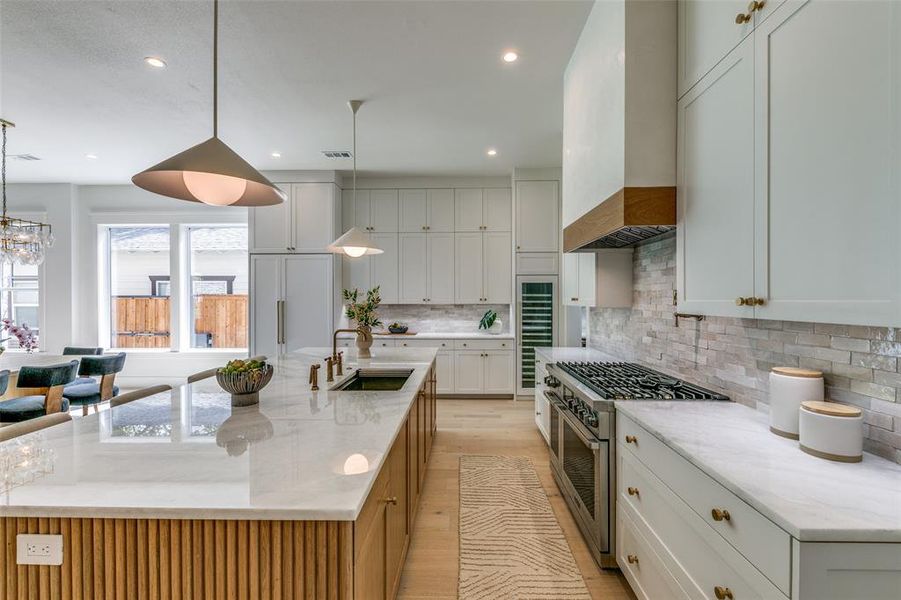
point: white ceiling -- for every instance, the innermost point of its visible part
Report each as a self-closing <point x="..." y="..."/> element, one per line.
<point x="437" y="93"/>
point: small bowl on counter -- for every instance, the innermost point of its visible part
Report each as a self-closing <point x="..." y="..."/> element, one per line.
<point x="398" y="328"/>
<point x="244" y="380"/>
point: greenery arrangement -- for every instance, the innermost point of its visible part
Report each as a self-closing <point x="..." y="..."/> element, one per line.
<point x="488" y="319"/>
<point x="363" y="313"/>
<point x="242" y="366"/>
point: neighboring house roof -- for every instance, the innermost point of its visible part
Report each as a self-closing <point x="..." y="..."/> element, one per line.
<point x="156" y="239"/>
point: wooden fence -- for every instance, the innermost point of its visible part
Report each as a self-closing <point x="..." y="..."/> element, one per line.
<point x="143" y="321"/>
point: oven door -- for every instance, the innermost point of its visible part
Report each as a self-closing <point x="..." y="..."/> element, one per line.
<point x="556" y="407"/>
<point x="583" y="464"/>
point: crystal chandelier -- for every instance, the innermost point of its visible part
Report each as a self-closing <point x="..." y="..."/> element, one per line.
<point x="21" y="242"/>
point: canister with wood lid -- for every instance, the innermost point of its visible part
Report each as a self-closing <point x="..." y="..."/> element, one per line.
<point x="789" y="387"/>
<point x="832" y="431"/>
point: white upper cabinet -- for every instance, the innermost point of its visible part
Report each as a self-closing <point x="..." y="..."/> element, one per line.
<point x="414" y="211"/>
<point x="468" y="268"/>
<point x="579" y="278"/>
<point x="537" y="216"/>
<point x="441" y="211"/>
<point x="498" y="209"/>
<point x="468" y="205"/>
<point x="414" y="268"/>
<point x="828" y="163"/>
<point x="306" y="222"/>
<point x="498" y="267"/>
<point x="383" y="211"/>
<point x="715" y="179"/>
<point x="384" y="267"/>
<point x="440" y="268"/>
<point x="360" y="204"/>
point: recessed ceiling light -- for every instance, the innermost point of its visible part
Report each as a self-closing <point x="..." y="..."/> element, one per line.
<point x="510" y="56"/>
<point x="155" y="62"/>
<point x="91" y="156"/>
<point x="491" y="152"/>
<point x="276" y="155"/>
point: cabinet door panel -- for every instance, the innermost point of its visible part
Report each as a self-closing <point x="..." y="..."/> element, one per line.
<point x="715" y="232"/>
<point x="270" y="226"/>
<point x="444" y="364"/>
<point x="347" y="210"/>
<point x="441" y="210"/>
<point x="396" y="526"/>
<point x="468" y="372"/>
<point x="828" y="186"/>
<point x="468" y="210"/>
<point x="356" y="273"/>
<point x="370" y="562"/>
<point x="587" y="278"/>
<point x="440" y="268"/>
<point x="308" y="301"/>
<point x="384" y="266"/>
<point x="498" y="209"/>
<point x="265" y="277"/>
<point x="383" y="211"/>
<point x="468" y="268"/>
<point x="314" y="216"/>
<point x="537" y="216"/>
<point x="362" y="210"/>
<point x="414" y="266"/>
<point x="414" y="211"/>
<point x="571" y="287"/>
<point x="707" y="32"/>
<point x="498" y="260"/>
<point x="500" y="371"/>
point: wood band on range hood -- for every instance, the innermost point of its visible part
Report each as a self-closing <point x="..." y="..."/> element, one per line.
<point x="629" y="207"/>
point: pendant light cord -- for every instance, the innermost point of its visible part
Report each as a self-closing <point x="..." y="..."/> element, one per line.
<point x="215" y="68"/>
<point x="3" y="171"/>
<point x="354" y="151"/>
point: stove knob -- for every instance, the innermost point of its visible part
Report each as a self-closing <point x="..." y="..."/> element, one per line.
<point x="592" y="420"/>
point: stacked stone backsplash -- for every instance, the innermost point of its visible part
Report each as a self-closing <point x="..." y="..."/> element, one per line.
<point x="734" y="356"/>
<point x="442" y="318"/>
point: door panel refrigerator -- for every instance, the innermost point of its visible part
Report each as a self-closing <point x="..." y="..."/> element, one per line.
<point x="537" y="301"/>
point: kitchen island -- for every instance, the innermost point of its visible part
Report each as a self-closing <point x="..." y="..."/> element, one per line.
<point x="309" y="494"/>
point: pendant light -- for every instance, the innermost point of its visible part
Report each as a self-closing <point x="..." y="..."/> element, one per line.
<point x="356" y="242"/>
<point x="21" y="242"/>
<point x="210" y="172"/>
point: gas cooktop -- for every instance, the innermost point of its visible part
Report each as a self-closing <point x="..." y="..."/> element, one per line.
<point x="629" y="381"/>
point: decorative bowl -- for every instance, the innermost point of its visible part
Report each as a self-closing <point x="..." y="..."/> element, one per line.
<point x="245" y="386"/>
<point x="401" y="329"/>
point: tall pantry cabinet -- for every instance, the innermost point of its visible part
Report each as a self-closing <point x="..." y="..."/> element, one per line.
<point x="287" y="253"/>
<point x="789" y="161"/>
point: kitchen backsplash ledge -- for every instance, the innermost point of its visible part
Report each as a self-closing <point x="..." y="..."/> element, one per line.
<point x="442" y="318"/>
<point x="734" y="356"/>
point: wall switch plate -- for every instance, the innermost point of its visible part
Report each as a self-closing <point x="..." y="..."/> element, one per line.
<point x="39" y="549"/>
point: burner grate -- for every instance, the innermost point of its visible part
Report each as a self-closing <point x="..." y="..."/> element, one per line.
<point x="629" y="381"/>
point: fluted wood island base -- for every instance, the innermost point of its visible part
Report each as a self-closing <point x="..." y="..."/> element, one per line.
<point x="245" y="559"/>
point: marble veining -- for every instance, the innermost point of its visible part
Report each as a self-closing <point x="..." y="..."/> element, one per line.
<point x="812" y="499"/>
<point x="187" y="454"/>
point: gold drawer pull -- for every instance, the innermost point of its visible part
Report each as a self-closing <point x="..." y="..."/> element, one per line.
<point x="392" y="500"/>
<point x="631" y="439"/>
<point x="723" y="593"/>
<point x="633" y="491"/>
<point x="633" y="560"/>
<point x="741" y="18"/>
<point x="720" y="515"/>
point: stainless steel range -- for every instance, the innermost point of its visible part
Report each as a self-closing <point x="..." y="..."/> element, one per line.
<point x="582" y="436"/>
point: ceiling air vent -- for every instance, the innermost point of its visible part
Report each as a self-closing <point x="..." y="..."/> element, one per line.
<point x="23" y="157"/>
<point x="337" y="154"/>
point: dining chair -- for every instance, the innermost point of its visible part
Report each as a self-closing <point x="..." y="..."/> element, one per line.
<point x="48" y="382"/>
<point x="92" y="394"/>
<point x="13" y="431"/>
<point x="82" y="351"/>
<point x="138" y="394"/>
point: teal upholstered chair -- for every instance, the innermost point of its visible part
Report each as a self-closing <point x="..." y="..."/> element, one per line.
<point x="48" y="381"/>
<point x="82" y="351"/>
<point x="93" y="393"/>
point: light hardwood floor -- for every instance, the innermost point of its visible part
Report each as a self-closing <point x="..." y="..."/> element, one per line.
<point x="501" y="427"/>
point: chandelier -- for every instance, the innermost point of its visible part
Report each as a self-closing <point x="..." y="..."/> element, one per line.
<point x="21" y="242"/>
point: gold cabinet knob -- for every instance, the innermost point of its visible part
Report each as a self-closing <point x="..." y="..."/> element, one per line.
<point x="633" y="560"/>
<point x="756" y="5"/>
<point x="740" y="301"/>
<point x="631" y="439"/>
<point x="720" y="514"/>
<point x="757" y="301"/>
<point x="392" y="500"/>
<point x="723" y="593"/>
<point x="633" y="491"/>
<point x="742" y="18"/>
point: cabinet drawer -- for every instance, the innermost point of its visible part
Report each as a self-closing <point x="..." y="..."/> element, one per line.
<point x="429" y="343"/>
<point x="536" y="263"/>
<point x="383" y="343"/>
<point x="483" y="344"/>
<point x="648" y="576"/>
<point x="757" y="538"/>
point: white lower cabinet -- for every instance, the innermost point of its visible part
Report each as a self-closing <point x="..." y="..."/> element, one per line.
<point x="681" y="534"/>
<point x="542" y="405"/>
<point x="468" y="372"/>
<point x="484" y="371"/>
<point x="444" y="371"/>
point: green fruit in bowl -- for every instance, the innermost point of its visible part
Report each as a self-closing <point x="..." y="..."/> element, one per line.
<point x="242" y="366"/>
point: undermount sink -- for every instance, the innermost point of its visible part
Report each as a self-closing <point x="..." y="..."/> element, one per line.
<point x="375" y="380"/>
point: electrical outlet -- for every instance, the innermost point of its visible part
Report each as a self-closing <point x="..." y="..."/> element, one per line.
<point x="39" y="549"/>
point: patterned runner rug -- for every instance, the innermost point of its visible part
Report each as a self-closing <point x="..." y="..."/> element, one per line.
<point x="511" y="545"/>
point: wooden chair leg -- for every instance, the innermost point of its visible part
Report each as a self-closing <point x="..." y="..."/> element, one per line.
<point x="96" y="408"/>
<point x="84" y="410"/>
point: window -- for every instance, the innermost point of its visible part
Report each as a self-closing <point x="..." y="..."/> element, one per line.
<point x="19" y="296"/>
<point x="218" y="256"/>
<point x="139" y="287"/>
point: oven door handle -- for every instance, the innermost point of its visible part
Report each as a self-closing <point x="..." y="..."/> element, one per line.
<point x="571" y="420"/>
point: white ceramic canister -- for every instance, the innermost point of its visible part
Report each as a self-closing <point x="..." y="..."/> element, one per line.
<point x="831" y="431"/>
<point x="789" y="387"/>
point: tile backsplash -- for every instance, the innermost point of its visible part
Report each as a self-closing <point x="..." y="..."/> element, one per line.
<point x="734" y="356"/>
<point x="442" y="318"/>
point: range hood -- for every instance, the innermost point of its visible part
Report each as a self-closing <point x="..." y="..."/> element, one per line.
<point x="630" y="216"/>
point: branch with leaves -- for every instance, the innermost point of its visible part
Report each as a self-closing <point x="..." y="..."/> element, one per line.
<point x="363" y="313"/>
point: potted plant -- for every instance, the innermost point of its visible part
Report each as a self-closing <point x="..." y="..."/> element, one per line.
<point x="363" y="313"/>
<point x="490" y="323"/>
<point x="27" y="338"/>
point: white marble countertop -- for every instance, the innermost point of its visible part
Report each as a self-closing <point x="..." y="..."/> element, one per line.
<point x="297" y="455"/>
<point x="812" y="499"/>
<point x="436" y="336"/>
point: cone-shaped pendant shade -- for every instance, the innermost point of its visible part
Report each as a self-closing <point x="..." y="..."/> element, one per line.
<point x="211" y="173"/>
<point x="354" y="243"/>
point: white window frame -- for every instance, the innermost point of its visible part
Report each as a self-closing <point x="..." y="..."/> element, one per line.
<point x="42" y="304"/>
